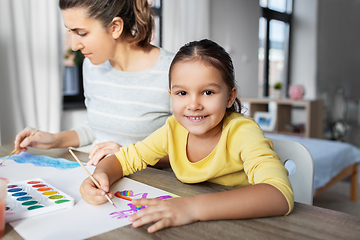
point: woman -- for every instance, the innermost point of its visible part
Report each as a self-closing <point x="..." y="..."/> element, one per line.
<point x="125" y="77"/>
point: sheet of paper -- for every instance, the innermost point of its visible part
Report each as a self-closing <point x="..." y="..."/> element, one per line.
<point x="84" y="220"/>
<point x="14" y="171"/>
<point x="77" y="222"/>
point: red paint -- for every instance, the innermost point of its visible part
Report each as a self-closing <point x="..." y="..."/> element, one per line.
<point x="39" y="185"/>
<point x="33" y="182"/>
<point x="2" y="217"/>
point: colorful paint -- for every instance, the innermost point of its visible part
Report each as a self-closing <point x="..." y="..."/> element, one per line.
<point x="129" y="195"/>
<point x="30" y="198"/>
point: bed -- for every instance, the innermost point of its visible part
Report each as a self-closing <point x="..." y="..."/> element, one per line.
<point x="333" y="161"/>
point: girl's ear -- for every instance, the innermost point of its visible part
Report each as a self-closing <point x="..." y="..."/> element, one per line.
<point x="116" y="27"/>
<point x="232" y="97"/>
<point x="169" y="92"/>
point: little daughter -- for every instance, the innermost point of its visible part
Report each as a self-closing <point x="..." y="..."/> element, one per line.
<point x="207" y="139"/>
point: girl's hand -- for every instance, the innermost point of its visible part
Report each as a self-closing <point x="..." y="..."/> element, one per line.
<point x="93" y="195"/>
<point x="166" y="213"/>
<point x="101" y="150"/>
<point x="40" y="139"/>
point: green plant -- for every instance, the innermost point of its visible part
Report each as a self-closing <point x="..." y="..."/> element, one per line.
<point x="79" y="57"/>
<point x="278" y="85"/>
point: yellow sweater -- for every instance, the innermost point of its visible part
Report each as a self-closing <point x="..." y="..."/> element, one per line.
<point x="242" y="157"/>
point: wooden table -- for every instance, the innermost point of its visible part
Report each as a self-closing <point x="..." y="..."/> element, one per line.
<point x="305" y="222"/>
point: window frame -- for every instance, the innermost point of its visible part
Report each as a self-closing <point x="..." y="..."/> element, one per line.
<point x="268" y="15"/>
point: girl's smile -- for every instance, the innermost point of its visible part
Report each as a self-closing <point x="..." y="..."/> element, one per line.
<point x="196" y="118"/>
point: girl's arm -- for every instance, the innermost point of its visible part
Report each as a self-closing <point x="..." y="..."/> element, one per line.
<point x="259" y="200"/>
<point x="107" y="172"/>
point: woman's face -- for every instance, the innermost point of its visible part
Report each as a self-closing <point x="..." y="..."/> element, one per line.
<point x="89" y="35"/>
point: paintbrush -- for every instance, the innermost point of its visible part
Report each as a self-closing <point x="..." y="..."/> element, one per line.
<point x="92" y="178"/>
<point x="16" y="149"/>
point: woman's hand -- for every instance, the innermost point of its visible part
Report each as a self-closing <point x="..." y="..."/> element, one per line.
<point x="40" y="139"/>
<point x="165" y="213"/>
<point x="101" y="150"/>
<point x="93" y="195"/>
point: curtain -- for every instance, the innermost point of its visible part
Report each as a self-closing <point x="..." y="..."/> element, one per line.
<point x="184" y="21"/>
<point x="30" y="66"/>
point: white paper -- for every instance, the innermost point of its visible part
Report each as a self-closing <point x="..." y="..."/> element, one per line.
<point x="83" y="220"/>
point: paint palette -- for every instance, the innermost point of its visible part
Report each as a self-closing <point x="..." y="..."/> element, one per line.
<point x="34" y="197"/>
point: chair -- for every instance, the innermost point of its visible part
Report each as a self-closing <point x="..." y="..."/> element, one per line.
<point x="299" y="163"/>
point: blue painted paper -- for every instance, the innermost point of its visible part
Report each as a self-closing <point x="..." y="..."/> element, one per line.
<point x="43" y="161"/>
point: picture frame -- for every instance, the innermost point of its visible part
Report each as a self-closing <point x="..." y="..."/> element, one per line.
<point x="265" y="120"/>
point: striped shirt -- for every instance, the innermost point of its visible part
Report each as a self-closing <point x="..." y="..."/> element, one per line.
<point x="124" y="107"/>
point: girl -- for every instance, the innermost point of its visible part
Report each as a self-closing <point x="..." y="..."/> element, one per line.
<point x="125" y="77"/>
<point x="207" y="139"/>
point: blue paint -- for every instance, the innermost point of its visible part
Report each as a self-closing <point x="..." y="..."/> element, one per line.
<point x="26" y="198"/>
<point x="44" y="161"/>
<point x="19" y="194"/>
<point x="15" y="190"/>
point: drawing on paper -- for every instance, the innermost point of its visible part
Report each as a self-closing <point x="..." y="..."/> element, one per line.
<point x="129" y="195"/>
<point x="43" y="161"/>
<point x="127" y="213"/>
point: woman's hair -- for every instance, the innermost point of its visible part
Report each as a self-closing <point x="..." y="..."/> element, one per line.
<point x="212" y="54"/>
<point x="136" y="14"/>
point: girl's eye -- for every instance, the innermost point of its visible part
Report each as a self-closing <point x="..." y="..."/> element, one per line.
<point x="208" y="92"/>
<point x="181" y="93"/>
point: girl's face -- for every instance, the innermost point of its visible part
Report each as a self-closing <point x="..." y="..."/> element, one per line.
<point x="199" y="97"/>
<point x="88" y="35"/>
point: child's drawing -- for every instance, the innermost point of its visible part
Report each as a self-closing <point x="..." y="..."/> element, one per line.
<point x="127" y="213"/>
<point x="129" y="195"/>
<point x="44" y="161"/>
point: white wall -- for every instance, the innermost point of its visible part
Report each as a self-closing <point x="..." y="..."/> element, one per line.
<point x="303" y="59"/>
<point x="234" y="24"/>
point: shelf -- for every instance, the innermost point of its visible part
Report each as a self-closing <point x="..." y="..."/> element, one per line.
<point x="313" y="109"/>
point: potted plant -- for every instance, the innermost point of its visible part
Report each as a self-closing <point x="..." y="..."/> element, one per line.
<point x="277" y="90"/>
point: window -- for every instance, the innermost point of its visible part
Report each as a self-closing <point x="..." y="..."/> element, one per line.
<point x="73" y="92"/>
<point x="274" y="38"/>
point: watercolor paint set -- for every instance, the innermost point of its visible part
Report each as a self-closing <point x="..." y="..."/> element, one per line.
<point x="34" y="197"/>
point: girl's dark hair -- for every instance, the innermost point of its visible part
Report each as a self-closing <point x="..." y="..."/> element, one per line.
<point x="136" y="14"/>
<point x="213" y="54"/>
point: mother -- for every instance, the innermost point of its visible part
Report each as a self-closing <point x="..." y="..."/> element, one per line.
<point x="125" y="77"/>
